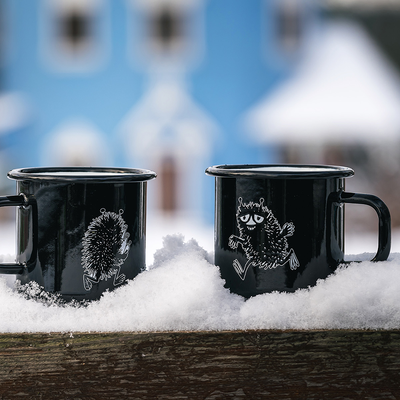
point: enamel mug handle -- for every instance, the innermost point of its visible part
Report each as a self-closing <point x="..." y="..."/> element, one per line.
<point x="21" y="201"/>
<point x="384" y="235"/>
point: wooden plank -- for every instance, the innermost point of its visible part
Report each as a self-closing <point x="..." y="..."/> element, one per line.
<point x="261" y="364"/>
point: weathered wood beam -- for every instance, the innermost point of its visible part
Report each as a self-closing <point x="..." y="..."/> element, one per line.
<point x="338" y="364"/>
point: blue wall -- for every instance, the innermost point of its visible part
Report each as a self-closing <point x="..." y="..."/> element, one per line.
<point x="233" y="72"/>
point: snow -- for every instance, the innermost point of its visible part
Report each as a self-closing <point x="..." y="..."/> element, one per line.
<point x="182" y="290"/>
<point x="14" y="112"/>
<point x="326" y="101"/>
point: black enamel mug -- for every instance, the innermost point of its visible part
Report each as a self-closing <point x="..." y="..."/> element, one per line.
<point x="80" y="230"/>
<point x="281" y="227"/>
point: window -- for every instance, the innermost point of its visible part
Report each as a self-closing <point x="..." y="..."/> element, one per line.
<point x="289" y="25"/>
<point x="165" y="33"/>
<point x="75" y="29"/>
<point x="166" y="29"/>
<point x="74" y="34"/>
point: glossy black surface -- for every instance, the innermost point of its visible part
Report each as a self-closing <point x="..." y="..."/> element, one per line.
<point x="80" y="237"/>
<point x="81" y="174"/>
<point x="282" y="234"/>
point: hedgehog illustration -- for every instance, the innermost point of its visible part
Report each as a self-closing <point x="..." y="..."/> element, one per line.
<point x="106" y="246"/>
<point x="262" y="239"/>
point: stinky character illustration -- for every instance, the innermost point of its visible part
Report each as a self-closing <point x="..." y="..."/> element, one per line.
<point x="106" y="246"/>
<point x="262" y="239"/>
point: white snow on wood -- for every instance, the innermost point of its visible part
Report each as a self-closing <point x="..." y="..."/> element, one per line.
<point x="183" y="290"/>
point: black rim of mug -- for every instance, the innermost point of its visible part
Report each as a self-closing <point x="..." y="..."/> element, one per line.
<point x="82" y="174"/>
<point x="280" y="171"/>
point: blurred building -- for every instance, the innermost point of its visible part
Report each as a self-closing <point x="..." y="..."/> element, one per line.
<point x="341" y="105"/>
<point x="160" y="84"/>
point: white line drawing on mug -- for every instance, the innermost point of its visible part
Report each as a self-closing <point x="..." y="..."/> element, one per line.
<point x="106" y="246"/>
<point x="271" y="252"/>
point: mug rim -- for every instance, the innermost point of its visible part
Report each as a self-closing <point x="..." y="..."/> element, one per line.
<point x="82" y="174"/>
<point x="279" y="171"/>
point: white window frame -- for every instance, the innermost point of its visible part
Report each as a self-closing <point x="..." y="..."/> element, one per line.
<point x="143" y="51"/>
<point x="60" y="56"/>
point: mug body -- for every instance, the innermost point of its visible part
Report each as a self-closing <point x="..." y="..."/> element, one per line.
<point x="86" y="229"/>
<point x="276" y="228"/>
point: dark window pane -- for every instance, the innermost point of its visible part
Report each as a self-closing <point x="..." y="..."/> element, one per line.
<point x="166" y="27"/>
<point x="74" y="28"/>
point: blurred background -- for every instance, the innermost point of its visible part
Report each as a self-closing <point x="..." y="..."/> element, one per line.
<point x="178" y="85"/>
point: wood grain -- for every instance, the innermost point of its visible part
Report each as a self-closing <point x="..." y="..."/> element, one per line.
<point x="263" y="364"/>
